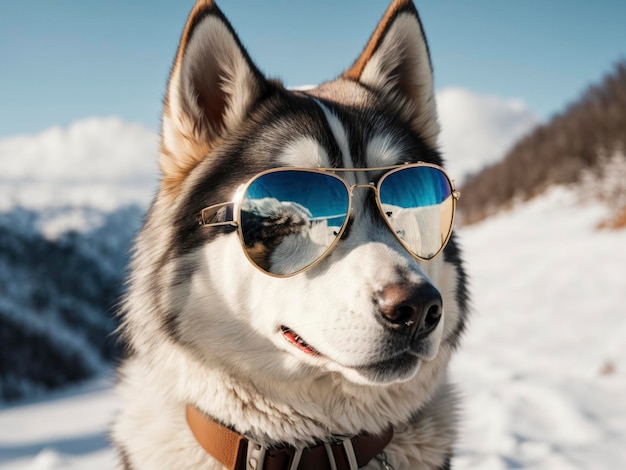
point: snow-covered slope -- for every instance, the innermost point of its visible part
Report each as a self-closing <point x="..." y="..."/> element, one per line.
<point x="67" y="431"/>
<point x="543" y="367"/>
<point x="61" y="273"/>
<point x="542" y="370"/>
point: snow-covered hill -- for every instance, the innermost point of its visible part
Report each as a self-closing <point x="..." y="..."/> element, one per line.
<point x="542" y="370"/>
<point x="543" y="367"/>
<point x="61" y="273"/>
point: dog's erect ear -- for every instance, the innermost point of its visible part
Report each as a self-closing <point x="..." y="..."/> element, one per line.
<point x="396" y="62"/>
<point x="212" y="86"/>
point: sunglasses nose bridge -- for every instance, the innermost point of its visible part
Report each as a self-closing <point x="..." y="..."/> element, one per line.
<point x="351" y="189"/>
<point x="369" y="185"/>
<point x="363" y="185"/>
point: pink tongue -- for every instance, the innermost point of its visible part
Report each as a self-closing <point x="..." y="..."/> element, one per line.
<point x="292" y="338"/>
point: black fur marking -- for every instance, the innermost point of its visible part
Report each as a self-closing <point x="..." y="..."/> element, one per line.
<point x="452" y="254"/>
<point x="121" y="451"/>
<point x="372" y="210"/>
<point x="447" y="465"/>
<point x="170" y="325"/>
<point x="346" y="231"/>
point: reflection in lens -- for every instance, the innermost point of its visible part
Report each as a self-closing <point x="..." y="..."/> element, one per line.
<point x="418" y="204"/>
<point x="289" y="219"/>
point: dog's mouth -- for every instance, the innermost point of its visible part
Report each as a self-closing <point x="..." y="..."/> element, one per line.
<point x="402" y="366"/>
<point x="298" y="342"/>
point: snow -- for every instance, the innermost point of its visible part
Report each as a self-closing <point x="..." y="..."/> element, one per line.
<point x="68" y="431"/>
<point x="542" y="369"/>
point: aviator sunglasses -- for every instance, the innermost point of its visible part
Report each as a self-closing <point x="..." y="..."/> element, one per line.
<point x="289" y="219"/>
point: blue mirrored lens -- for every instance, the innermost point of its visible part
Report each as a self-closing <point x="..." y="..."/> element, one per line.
<point x="290" y="218"/>
<point x="419" y="206"/>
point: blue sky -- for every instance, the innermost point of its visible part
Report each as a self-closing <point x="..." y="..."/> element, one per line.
<point x="67" y="60"/>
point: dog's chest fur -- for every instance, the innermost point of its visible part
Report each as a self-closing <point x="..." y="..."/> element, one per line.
<point x="202" y="325"/>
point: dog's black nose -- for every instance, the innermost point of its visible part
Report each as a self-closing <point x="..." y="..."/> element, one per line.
<point x="410" y="309"/>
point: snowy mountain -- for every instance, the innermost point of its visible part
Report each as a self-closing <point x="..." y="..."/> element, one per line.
<point x="58" y="288"/>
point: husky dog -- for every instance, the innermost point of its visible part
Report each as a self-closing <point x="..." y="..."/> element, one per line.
<point x="278" y="313"/>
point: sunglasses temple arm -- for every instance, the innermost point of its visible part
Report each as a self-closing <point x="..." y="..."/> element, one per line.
<point x="218" y="215"/>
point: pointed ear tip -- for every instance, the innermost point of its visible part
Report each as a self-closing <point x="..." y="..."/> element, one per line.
<point x="202" y="6"/>
<point x="205" y="3"/>
<point x="396" y="5"/>
<point x="402" y="3"/>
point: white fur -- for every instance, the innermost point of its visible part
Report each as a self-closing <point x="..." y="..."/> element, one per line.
<point x="383" y="150"/>
<point x="305" y="152"/>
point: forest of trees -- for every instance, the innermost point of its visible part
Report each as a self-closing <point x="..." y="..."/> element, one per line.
<point x="587" y="133"/>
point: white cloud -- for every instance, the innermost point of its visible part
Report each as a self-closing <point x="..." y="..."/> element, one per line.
<point x="477" y="130"/>
<point x="103" y="162"/>
<point x="90" y="150"/>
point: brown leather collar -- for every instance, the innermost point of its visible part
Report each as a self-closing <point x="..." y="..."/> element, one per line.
<point x="236" y="452"/>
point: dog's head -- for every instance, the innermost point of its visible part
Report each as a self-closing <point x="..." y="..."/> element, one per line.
<point x="369" y="310"/>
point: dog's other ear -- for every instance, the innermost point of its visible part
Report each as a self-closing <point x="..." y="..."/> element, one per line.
<point x="212" y="85"/>
<point x="396" y="62"/>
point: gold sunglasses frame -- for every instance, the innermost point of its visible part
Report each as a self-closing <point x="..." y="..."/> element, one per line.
<point x="389" y="170"/>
